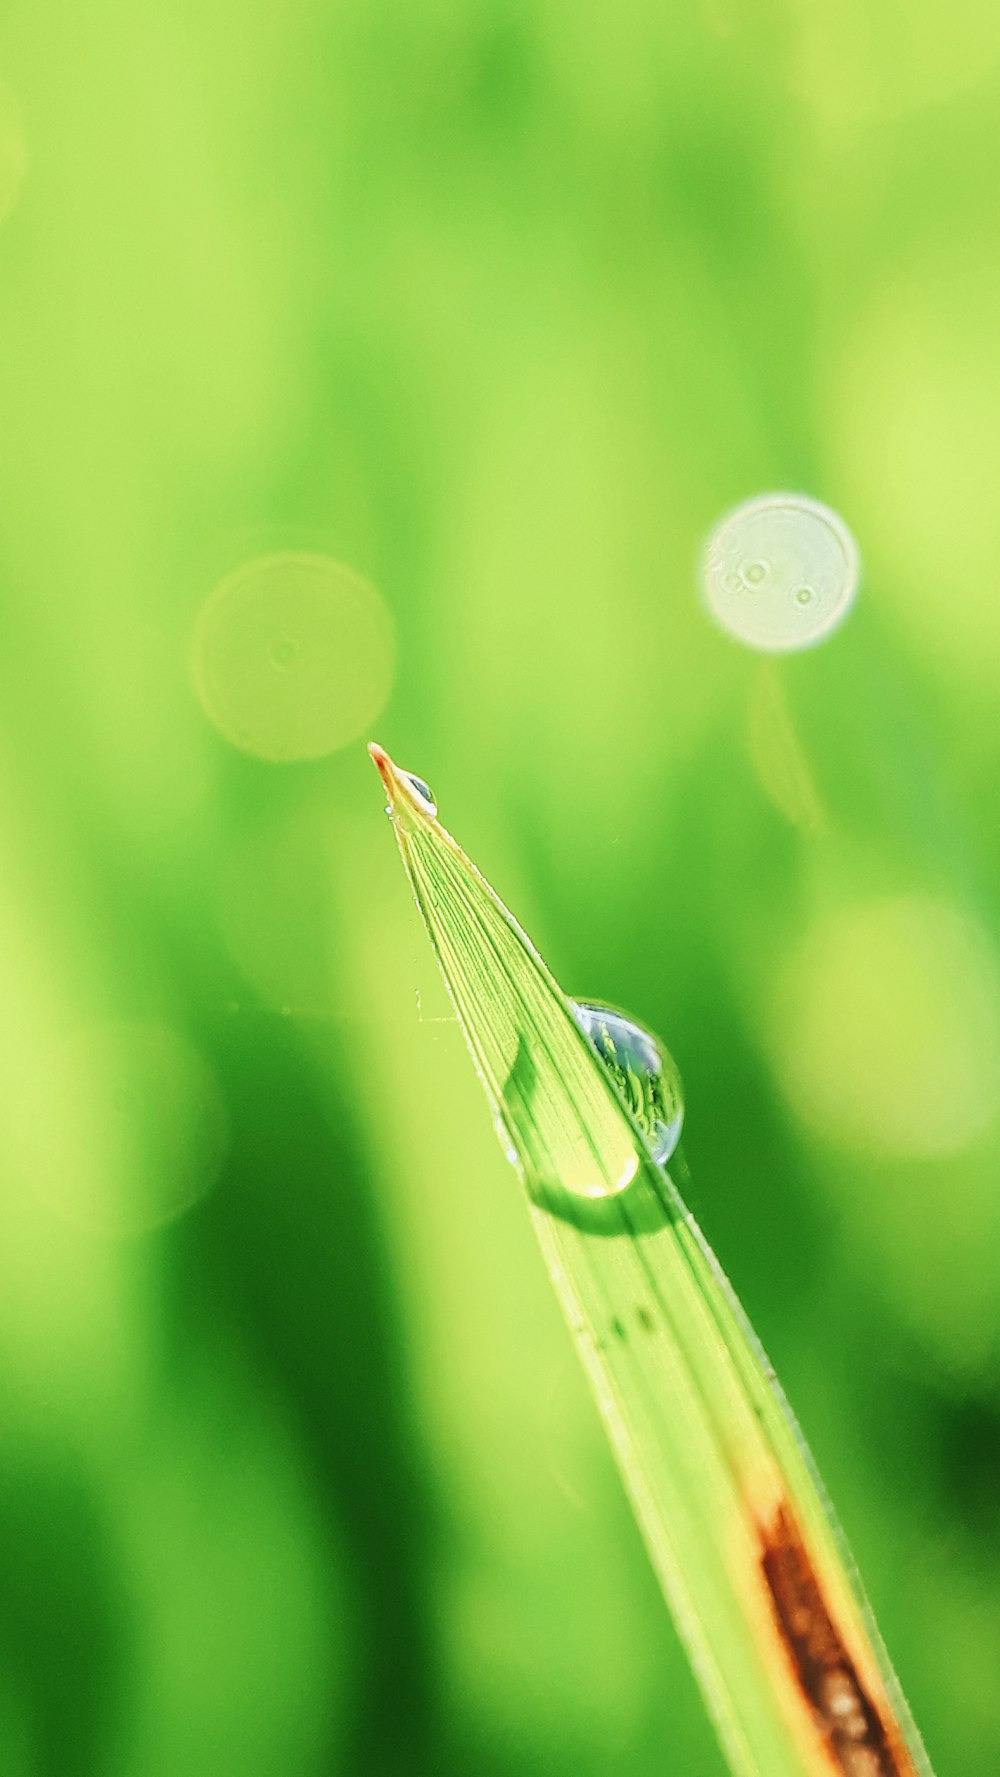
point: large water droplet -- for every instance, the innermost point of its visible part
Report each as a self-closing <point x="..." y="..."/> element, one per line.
<point x="644" y="1072"/>
<point x="780" y="572"/>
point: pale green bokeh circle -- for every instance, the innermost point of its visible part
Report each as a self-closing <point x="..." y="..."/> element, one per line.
<point x="848" y="63"/>
<point x="293" y="656"/>
<point x="917" y="370"/>
<point x="13" y="152"/>
<point x="134" y="1127"/>
<point x="886" y="1028"/>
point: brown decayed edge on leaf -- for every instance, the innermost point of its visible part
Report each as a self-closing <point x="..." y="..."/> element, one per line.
<point x="860" y="1736"/>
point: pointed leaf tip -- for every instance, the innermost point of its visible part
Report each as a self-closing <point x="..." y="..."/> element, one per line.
<point x="384" y="766"/>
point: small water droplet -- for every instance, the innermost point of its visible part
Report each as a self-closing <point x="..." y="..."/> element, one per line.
<point x="510" y="1152"/>
<point x="422" y="789"/>
<point x="804" y="596"/>
<point x="644" y="1072"/>
<point x="755" y="572"/>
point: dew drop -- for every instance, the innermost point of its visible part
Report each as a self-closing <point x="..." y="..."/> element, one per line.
<point x="798" y="573"/>
<point x="422" y="789"/>
<point x="644" y="1072"/>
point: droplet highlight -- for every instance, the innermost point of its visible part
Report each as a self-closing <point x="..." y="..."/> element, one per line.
<point x="423" y="791"/>
<point x="780" y="572"/>
<point x="644" y="1072"/>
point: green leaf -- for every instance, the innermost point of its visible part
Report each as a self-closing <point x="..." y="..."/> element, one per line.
<point x="753" y="1567"/>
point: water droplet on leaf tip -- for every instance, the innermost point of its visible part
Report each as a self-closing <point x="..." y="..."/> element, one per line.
<point x="423" y="791"/>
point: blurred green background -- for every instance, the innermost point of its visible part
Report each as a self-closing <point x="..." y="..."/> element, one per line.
<point x="499" y="306"/>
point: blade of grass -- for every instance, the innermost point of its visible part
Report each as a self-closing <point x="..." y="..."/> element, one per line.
<point x="753" y="1567"/>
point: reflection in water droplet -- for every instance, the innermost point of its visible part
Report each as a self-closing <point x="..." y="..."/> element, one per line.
<point x="422" y="789"/>
<point x="293" y="656"/>
<point x="798" y="572"/>
<point x="568" y="1158"/>
<point x="644" y="1072"/>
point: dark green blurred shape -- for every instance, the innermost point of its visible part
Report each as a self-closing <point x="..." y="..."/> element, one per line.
<point x="500" y="307"/>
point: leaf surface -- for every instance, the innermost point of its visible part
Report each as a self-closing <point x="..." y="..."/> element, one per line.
<point x="751" y="1562"/>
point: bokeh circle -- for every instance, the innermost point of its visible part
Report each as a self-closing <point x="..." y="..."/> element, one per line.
<point x="780" y="572"/>
<point x="293" y="656"/>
